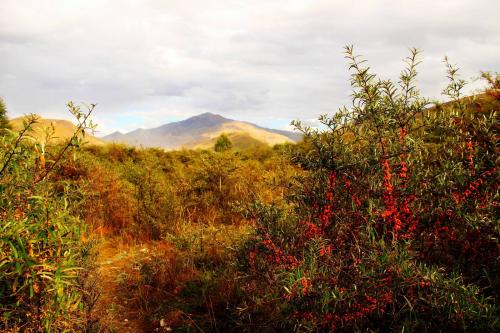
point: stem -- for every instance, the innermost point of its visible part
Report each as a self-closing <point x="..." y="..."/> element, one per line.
<point x="18" y="141"/>
<point x="80" y="126"/>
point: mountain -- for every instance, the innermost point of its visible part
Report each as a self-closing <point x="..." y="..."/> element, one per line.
<point x="201" y="132"/>
<point x="63" y="129"/>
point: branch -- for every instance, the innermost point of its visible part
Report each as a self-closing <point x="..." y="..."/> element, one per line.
<point x="82" y="125"/>
<point x="26" y="128"/>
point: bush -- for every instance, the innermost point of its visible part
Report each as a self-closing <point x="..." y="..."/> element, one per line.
<point x="394" y="227"/>
<point x="4" y="122"/>
<point x="223" y="143"/>
<point x="40" y="240"/>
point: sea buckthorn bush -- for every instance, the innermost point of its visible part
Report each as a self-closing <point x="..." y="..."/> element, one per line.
<point x="394" y="227"/>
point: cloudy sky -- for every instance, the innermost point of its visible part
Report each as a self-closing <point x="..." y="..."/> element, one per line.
<point x="148" y="62"/>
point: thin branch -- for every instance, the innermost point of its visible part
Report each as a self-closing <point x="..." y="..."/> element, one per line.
<point x="81" y="126"/>
<point x="18" y="141"/>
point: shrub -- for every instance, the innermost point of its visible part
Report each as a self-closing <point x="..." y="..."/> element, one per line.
<point x="393" y="228"/>
<point x="4" y="122"/>
<point x="40" y="250"/>
<point x="223" y="143"/>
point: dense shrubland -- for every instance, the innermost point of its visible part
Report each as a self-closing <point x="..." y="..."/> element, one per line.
<point x="151" y="192"/>
<point x="386" y="219"/>
<point x="180" y="215"/>
<point x="184" y="207"/>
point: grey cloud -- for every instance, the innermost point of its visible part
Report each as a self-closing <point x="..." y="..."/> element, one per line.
<point x="261" y="60"/>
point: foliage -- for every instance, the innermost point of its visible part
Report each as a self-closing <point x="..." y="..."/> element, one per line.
<point x="39" y="238"/>
<point x="394" y="227"/>
<point x="178" y="217"/>
<point x="149" y="193"/>
<point x="4" y="122"/>
<point x="385" y="219"/>
<point x="223" y="143"/>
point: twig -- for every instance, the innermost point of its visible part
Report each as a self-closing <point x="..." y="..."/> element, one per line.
<point x="18" y="141"/>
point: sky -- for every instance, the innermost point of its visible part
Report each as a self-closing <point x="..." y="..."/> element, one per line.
<point x="149" y="62"/>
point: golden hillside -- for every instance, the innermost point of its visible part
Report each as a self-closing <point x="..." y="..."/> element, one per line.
<point x="63" y="130"/>
<point x="242" y="135"/>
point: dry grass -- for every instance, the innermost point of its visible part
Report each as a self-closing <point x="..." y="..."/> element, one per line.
<point x="157" y="285"/>
<point x="112" y="311"/>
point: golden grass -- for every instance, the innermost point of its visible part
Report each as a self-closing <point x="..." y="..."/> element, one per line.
<point x="136" y="278"/>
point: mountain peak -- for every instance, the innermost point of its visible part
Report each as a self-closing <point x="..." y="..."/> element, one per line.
<point x="208" y="116"/>
<point x="206" y="119"/>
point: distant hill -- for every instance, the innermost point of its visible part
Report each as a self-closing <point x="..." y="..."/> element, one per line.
<point x="64" y="129"/>
<point x="201" y="132"/>
<point x="239" y="140"/>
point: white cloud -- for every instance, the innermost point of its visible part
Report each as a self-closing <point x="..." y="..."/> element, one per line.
<point x="261" y="61"/>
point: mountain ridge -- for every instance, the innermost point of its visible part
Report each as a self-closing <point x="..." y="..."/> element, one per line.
<point x="200" y="131"/>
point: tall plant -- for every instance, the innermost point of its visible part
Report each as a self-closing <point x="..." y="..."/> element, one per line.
<point x="394" y="227"/>
<point x="40" y="249"/>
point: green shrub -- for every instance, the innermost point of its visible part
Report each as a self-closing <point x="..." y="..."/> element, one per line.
<point x="4" y="122"/>
<point x="223" y="143"/>
<point x="394" y="227"/>
<point x="40" y="240"/>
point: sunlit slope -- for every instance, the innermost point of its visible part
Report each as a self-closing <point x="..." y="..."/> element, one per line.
<point x="63" y="130"/>
<point x="239" y="141"/>
<point x="242" y="136"/>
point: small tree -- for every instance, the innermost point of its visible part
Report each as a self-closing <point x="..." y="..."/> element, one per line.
<point x="4" y="122"/>
<point x="223" y="143"/>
